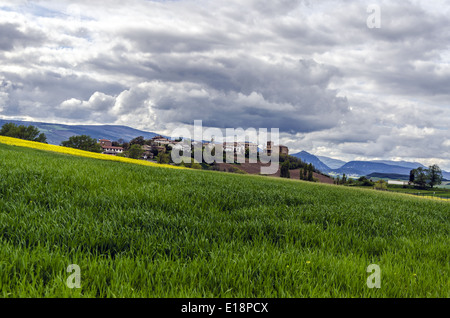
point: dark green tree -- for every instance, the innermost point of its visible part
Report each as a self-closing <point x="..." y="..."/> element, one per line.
<point x="138" y="141"/>
<point x="434" y="175"/>
<point x="83" y="142"/>
<point x="135" y="151"/>
<point x="23" y="132"/>
<point x="284" y="172"/>
<point x="164" y="158"/>
<point x="420" y="177"/>
<point x="310" y="175"/>
<point x="310" y="172"/>
<point x="412" y="174"/>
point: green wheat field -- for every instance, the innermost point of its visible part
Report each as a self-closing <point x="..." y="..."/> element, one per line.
<point x="138" y="231"/>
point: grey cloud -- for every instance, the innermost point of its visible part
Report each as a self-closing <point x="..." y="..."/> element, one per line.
<point x="11" y="37"/>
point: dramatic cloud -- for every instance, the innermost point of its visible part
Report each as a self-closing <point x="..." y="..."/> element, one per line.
<point x="315" y="70"/>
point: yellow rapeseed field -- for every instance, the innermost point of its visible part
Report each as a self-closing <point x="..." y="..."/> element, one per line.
<point x="77" y="152"/>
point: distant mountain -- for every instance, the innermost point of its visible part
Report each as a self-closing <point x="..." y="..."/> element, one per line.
<point x="309" y="158"/>
<point x="331" y="162"/>
<point x="363" y="168"/>
<point x="406" y="164"/>
<point x="56" y="133"/>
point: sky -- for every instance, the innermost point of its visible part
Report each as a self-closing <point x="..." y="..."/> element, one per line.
<point x="332" y="81"/>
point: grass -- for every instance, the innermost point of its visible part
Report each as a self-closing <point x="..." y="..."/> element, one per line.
<point x="138" y="231"/>
<point x="435" y="192"/>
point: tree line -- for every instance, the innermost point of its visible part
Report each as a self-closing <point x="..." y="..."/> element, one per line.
<point x="426" y="177"/>
<point x="31" y="132"/>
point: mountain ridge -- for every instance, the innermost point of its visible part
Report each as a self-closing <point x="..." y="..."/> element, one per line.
<point x="363" y="168"/>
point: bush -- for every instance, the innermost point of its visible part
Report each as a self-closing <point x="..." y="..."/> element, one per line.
<point x="381" y="185"/>
<point x="83" y="142"/>
<point x="236" y="170"/>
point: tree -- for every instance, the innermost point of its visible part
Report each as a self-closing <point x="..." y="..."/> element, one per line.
<point x="83" y="142"/>
<point x="31" y="133"/>
<point x="420" y="177"/>
<point x="412" y="174"/>
<point x="434" y="175"/>
<point x="301" y="174"/>
<point x="126" y="146"/>
<point x="365" y="182"/>
<point x="164" y="158"/>
<point x="138" y="141"/>
<point x="135" y="151"/>
<point x="284" y="172"/>
<point x="310" y="175"/>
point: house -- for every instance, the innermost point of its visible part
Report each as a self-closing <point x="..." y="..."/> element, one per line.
<point x="398" y="182"/>
<point x="105" y="142"/>
<point x="108" y="148"/>
<point x="282" y="150"/>
<point x="240" y="147"/>
<point x="147" y="154"/>
<point x="160" y="140"/>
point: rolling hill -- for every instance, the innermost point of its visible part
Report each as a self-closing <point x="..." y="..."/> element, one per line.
<point x="56" y="133"/>
<point x="140" y="231"/>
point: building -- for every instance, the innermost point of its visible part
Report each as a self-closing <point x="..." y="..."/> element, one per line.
<point x="235" y="147"/>
<point x="147" y="154"/>
<point x="282" y="150"/>
<point x="108" y="148"/>
<point x="105" y="142"/>
<point x="160" y="140"/>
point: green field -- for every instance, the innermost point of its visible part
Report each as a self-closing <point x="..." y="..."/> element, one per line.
<point x="435" y="192"/>
<point x="138" y="231"/>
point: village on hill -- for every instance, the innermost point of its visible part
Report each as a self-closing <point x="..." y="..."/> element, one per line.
<point x="159" y="148"/>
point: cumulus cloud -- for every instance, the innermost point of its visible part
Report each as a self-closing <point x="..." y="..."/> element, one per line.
<point x="313" y="69"/>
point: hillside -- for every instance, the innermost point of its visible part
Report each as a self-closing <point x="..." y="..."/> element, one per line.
<point x="149" y="231"/>
<point x="405" y="164"/>
<point x="309" y="158"/>
<point x="56" y="133"/>
<point x="362" y="168"/>
<point x="331" y="162"/>
<point x="255" y="168"/>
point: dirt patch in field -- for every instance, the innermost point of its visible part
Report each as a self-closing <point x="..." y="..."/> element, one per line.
<point x="255" y="168"/>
